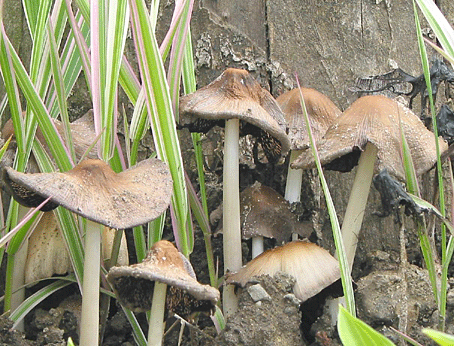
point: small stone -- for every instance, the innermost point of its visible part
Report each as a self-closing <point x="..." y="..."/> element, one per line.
<point x="292" y="299"/>
<point x="450" y="298"/>
<point x="290" y="310"/>
<point x="258" y="293"/>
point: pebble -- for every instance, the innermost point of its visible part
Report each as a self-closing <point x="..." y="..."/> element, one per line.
<point x="258" y="293"/>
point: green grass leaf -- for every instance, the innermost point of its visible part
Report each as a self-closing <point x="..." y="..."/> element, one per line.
<point x="354" y="332"/>
<point x="441" y="338"/>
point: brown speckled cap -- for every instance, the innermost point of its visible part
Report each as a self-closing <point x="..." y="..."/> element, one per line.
<point x="264" y="212"/>
<point x="93" y="190"/>
<point x="235" y="94"/>
<point x="133" y="285"/>
<point x="320" y="110"/>
<point x="312" y="267"/>
<point x="375" y="119"/>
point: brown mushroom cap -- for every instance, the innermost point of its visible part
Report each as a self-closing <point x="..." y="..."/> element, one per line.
<point x="264" y="212"/>
<point x="235" y="94"/>
<point x="312" y="267"/>
<point x="82" y="132"/>
<point x="375" y="119"/>
<point x="93" y="190"/>
<point x="47" y="254"/>
<point x="133" y="285"/>
<point x="320" y="110"/>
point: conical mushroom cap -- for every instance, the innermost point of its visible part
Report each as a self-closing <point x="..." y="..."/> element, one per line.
<point x="375" y="119"/>
<point x="312" y="267"/>
<point x="235" y="94"/>
<point x="320" y="109"/>
<point x="91" y="189"/>
<point x="264" y="212"/>
<point x="133" y="285"/>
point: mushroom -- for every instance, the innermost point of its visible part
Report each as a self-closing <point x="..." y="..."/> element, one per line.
<point x="133" y="285"/>
<point x="312" y="267"/>
<point x="234" y="96"/>
<point x="321" y="112"/>
<point x="47" y="254"/>
<point x="45" y="261"/>
<point x="82" y="132"/>
<point x="369" y="130"/>
<point x="265" y="213"/>
<point x="117" y="200"/>
<point x="83" y="135"/>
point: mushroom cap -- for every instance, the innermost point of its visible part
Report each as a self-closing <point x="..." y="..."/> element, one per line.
<point x="82" y="132"/>
<point x="133" y="285"/>
<point x="320" y="109"/>
<point x="264" y="212"/>
<point x="235" y="94"/>
<point x="47" y="254"/>
<point x="312" y="267"/>
<point x="375" y="119"/>
<point x="93" y="190"/>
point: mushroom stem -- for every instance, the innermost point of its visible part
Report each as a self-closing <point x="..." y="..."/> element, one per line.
<point x="155" y="325"/>
<point x="357" y="201"/>
<point x="89" y="325"/>
<point x="354" y="214"/>
<point x="257" y="246"/>
<point x="293" y="183"/>
<point x="231" y="211"/>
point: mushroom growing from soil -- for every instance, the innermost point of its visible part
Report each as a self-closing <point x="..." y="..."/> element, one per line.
<point x="235" y="95"/>
<point x="368" y="134"/>
<point x="321" y="112"/>
<point x="312" y="267"/>
<point x="133" y="285"/>
<point x="265" y="213"/>
<point x="117" y="200"/>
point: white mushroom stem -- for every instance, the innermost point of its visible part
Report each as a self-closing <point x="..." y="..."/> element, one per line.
<point x="89" y="326"/>
<point x="293" y="183"/>
<point x="231" y="211"/>
<point x="257" y="246"/>
<point x="156" y="323"/>
<point x="356" y="206"/>
<point x="354" y="213"/>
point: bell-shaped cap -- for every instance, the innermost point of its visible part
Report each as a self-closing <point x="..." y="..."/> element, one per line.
<point x="47" y="254"/>
<point x="93" y="190"/>
<point x="312" y="267"/>
<point x="320" y="109"/>
<point x="264" y="212"/>
<point x="235" y="94"/>
<point x="133" y="285"/>
<point x="375" y="119"/>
